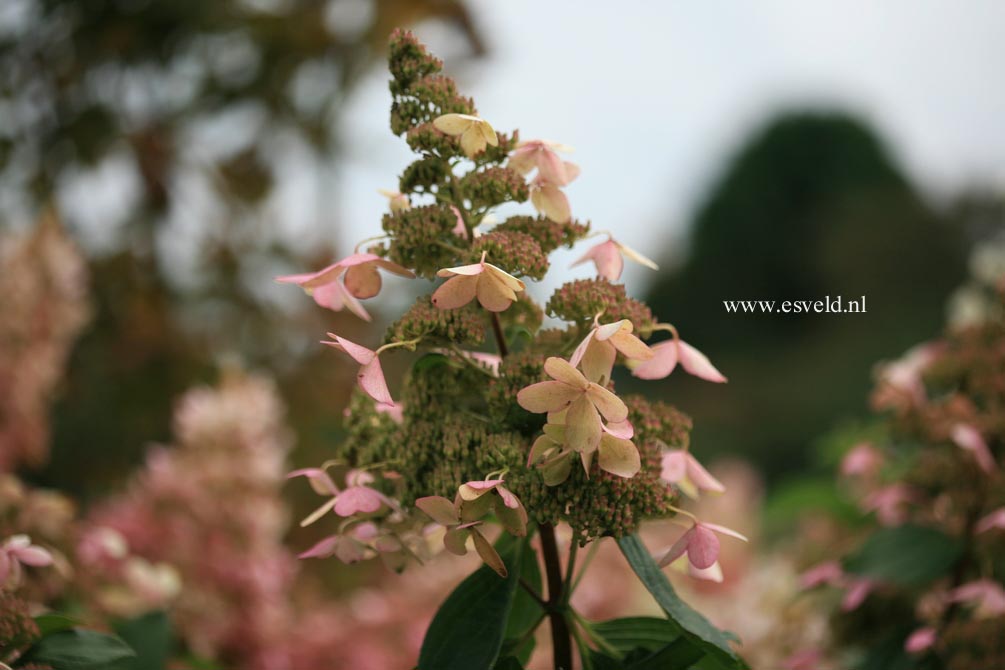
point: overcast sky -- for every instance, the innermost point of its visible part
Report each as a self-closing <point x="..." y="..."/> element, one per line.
<point x="655" y="96"/>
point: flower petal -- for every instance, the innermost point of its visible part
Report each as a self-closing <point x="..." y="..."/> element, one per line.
<point x="358" y="353"/>
<point x="701" y="477"/>
<point x="582" y="426"/>
<point x="488" y="553"/>
<point x="636" y="256"/>
<point x="662" y="363"/>
<point x="473" y="141"/>
<point x="363" y="281"/>
<point x="550" y="201"/>
<point x="359" y="500"/>
<point x="439" y="509"/>
<point x="610" y="405"/>
<point x="455" y="541"/>
<point x="619" y="456"/>
<point x="454" y="124"/>
<point x="607" y="258"/>
<point x="455" y="292"/>
<point x="557" y="469"/>
<point x="725" y="531"/>
<point x="492" y="294"/>
<point x="561" y="370"/>
<point x="703" y="547"/>
<point x="678" y="549"/>
<point x="697" y="363"/>
<point x="371" y="380"/>
<point x="546" y="397"/>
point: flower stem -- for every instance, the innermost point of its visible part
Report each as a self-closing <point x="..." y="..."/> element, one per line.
<point x="500" y="338"/>
<point x="561" y="639"/>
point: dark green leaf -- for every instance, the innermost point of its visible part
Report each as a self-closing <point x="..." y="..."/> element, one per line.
<point x="906" y="555"/>
<point x="53" y="623"/>
<point x="80" y="650"/>
<point x="679" y="655"/>
<point x="526" y="612"/>
<point x="648" y="633"/>
<point x="696" y="628"/>
<point x="467" y="631"/>
<point x="151" y="638"/>
<point x="509" y="663"/>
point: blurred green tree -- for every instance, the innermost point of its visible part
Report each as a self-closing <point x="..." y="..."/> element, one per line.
<point x="199" y="105"/>
<point x="813" y="205"/>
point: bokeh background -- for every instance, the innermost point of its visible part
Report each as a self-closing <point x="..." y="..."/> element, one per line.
<point x="779" y="151"/>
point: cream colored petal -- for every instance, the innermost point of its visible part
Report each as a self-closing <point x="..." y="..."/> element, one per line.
<point x="610" y="405"/>
<point x="563" y="371"/>
<point x="454" y="124"/>
<point x="619" y="456"/>
<point x="455" y="292"/>
<point x="583" y="428"/>
<point x="472" y="142"/>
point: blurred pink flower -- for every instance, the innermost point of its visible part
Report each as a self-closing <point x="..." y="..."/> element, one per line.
<point x="861" y="460"/>
<point x="901" y="380"/>
<point x="495" y="289"/>
<point x="371" y="375"/>
<point x="17" y="550"/>
<point x="585" y="402"/>
<point x="459" y="229"/>
<point x="668" y="354"/>
<point x="987" y="595"/>
<point x="608" y="258"/>
<point x="993" y="521"/>
<point x="889" y="503"/>
<point x="682" y="469"/>
<point x="970" y="439"/>
<point x="920" y="640"/>
<point x="857" y="589"/>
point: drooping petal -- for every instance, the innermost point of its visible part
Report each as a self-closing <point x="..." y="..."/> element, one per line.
<point x="311" y="280"/>
<point x="363" y="281"/>
<point x="371" y="380"/>
<point x="582" y="426"/>
<point x="556" y="469"/>
<point x="33" y="555"/>
<point x="318" y="478"/>
<point x="630" y="346"/>
<point x="701" y="477"/>
<point x="673" y="466"/>
<point x="662" y="363"/>
<point x="514" y="520"/>
<point x="607" y="259"/>
<point x="358" y="353"/>
<point x="725" y="531"/>
<point x="542" y="448"/>
<point x="551" y="167"/>
<point x="523" y="159"/>
<point x="552" y="202"/>
<point x="508" y="498"/>
<point x="439" y="509"/>
<point x="563" y="371"/>
<point x="318" y="513"/>
<point x="488" y="553"/>
<point x="476" y="489"/>
<point x="547" y="396"/>
<point x="493" y="294"/>
<point x="636" y="256"/>
<point x="712" y="573"/>
<point x="322" y="549"/>
<point x="618" y="456"/>
<point x="611" y="406"/>
<point x="456" y="292"/>
<point x="455" y="541"/>
<point x="488" y="133"/>
<point x="697" y="364"/>
<point x="703" y="547"/>
<point x="678" y="549"/>
<point x="505" y="278"/>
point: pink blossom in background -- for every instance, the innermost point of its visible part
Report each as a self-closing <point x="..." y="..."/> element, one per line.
<point x="862" y="460"/>
<point x="970" y="439"/>
<point x="993" y="521"/>
<point x="920" y="640"/>
<point x="890" y="503"/>
<point x="43" y="284"/>
<point x="371" y="376"/>
<point x="608" y="257"/>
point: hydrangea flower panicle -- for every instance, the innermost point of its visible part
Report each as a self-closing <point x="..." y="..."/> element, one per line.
<point x="475" y="132"/>
<point x="495" y="289"/>
<point x="608" y="257"/>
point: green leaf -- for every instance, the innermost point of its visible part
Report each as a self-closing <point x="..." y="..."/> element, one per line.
<point x="429" y="361"/>
<point x="151" y="637"/>
<point x="692" y="625"/>
<point x="80" y="650"/>
<point x="525" y="613"/>
<point x="646" y="643"/>
<point x="53" y="623"/>
<point x="509" y="663"/>
<point x="467" y="631"/>
<point x="906" y="555"/>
